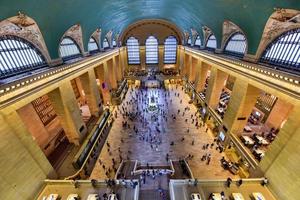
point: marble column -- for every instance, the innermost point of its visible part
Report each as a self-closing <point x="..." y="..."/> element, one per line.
<point x="240" y="106"/>
<point x="281" y="163"/>
<point x="92" y="95"/>
<point x="193" y="66"/>
<point x="203" y="71"/>
<point x="161" y="57"/>
<point x="118" y="68"/>
<point x="215" y="85"/>
<point x="66" y="107"/>
<point x="22" y="161"/>
<point x="100" y="74"/>
<point x="110" y="74"/>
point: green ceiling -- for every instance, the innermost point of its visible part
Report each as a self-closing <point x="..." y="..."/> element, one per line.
<point x="54" y="17"/>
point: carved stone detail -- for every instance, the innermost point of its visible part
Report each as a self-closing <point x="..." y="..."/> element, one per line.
<point x="108" y="36"/>
<point x="75" y="32"/>
<point x="282" y="20"/>
<point x="117" y="35"/>
<point x="206" y="33"/>
<point x="194" y="36"/>
<point x="97" y="35"/>
<point x="25" y="27"/>
<point x="186" y="36"/>
<point x="229" y="28"/>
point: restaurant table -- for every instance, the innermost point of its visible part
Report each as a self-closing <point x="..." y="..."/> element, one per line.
<point x="247" y="129"/>
<point x="220" y="110"/>
<point x="53" y="197"/>
<point x="260" y="152"/>
<point x="222" y="103"/>
<point x="237" y="196"/>
<point x="258" y="196"/>
<point x="262" y="140"/>
<point x="72" y="196"/>
<point x="216" y="196"/>
<point x="247" y="140"/>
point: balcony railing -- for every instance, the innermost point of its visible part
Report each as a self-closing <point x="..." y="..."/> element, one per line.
<point x="66" y="69"/>
<point x="283" y="81"/>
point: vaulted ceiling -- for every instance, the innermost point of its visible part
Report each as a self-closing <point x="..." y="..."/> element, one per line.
<point x="54" y="17"/>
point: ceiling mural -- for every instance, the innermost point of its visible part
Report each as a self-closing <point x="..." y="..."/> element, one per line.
<point x="54" y="17"/>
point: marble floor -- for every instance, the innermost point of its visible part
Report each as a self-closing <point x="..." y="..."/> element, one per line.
<point x="125" y="143"/>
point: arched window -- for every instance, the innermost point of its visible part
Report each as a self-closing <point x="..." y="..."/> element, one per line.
<point x="189" y="41"/>
<point x="68" y="49"/>
<point x="198" y="41"/>
<point x="92" y="46"/>
<point x="170" y="50"/>
<point x="211" y="42"/>
<point x="114" y="43"/>
<point x="236" y="45"/>
<point x="284" y="51"/>
<point x="105" y="43"/>
<point x="151" y="50"/>
<point x="133" y="51"/>
<point x="18" y="55"/>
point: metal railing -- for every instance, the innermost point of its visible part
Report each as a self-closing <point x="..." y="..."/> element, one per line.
<point x="16" y="84"/>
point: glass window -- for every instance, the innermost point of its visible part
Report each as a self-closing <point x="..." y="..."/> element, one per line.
<point x="189" y="40"/>
<point x="18" y="55"/>
<point x="105" y="43"/>
<point x="114" y="43"/>
<point x="151" y="50"/>
<point x="68" y="49"/>
<point x="236" y="45"/>
<point x="198" y="41"/>
<point x="170" y="50"/>
<point x="284" y="51"/>
<point x="211" y="42"/>
<point x="133" y="51"/>
<point x="92" y="45"/>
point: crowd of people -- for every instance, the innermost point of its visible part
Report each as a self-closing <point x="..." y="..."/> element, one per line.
<point x="145" y="115"/>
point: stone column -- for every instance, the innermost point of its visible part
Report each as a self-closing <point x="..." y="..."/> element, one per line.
<point x="110" y="74"/>
<point x="92" y="95"/>
<point x="189" y="68"/>
<point x="185" y="65"/>
<point x="100" y="73"/>
<point x="66" y="107"/>
<point x="241" y="103"/>
<point x="123" y="59"/>
<point x="178" y="58"/>
<point x="215" y="85"/>
<point x="192" y="70"/>
<point x="197" y="73"/>
<point x="202" y="77"/>
<point x="143" y="57"/>
<point x="118" y="68"/>
<point x="23" y="164"/>
<point x="281" y="163"/>
<point x="161" y="57"/>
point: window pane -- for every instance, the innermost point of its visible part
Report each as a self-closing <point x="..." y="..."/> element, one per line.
<point x="284" y="51"/>
<point x="211" y="42"/>
<point x="170" y="52"/>
<point x="133" y="51"/>
<point x="198" y="41"/>
<point x="17" y="55"/>
<point x="151" y="50"/>
<point x="114" y="43"/>
<point x="236" y="45"/>
<point x="92" y="45"/>
<point x="68" y="49"/>
<point x="105" y="43"/>
<point x="189" y="40"/>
